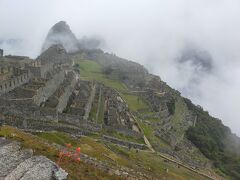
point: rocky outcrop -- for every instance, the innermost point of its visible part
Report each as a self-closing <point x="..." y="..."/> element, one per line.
<point x="16" y="163"/>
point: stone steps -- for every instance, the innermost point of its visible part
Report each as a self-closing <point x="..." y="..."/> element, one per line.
<point x="17" y="163"/>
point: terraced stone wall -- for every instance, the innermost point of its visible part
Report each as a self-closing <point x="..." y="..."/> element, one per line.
<point x="16" y="81"/>
<point x="45" y="92"/>
<point x="63" y="100"/>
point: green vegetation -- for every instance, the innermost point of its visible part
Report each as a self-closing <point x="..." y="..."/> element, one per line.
<point x="93" y="112"/>
<point x="42" y="147"/>
<point x="101" y="111"/>
<point x="97" y="110"/>
<point x="135" y="102"/>
<point x="125" y="137"/>
<point x="179" y="109"/>
<point x="91" y="70"/>
<point x="171" y="106"/>
<point x="141" y="161"/>
<point x="213" y="140"/>
<point x="149" y="133"/>
<point x="153" y="164"/>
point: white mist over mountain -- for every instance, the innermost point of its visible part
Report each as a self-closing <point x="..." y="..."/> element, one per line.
<point x="157" y="34"/>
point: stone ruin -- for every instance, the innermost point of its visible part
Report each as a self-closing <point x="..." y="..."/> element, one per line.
<point x="11" y="77"/>
<point x="1" y="52"/>
<point x="46" y="94"/>
<point x="117" y="116"/>
<point x="38" y="92"/>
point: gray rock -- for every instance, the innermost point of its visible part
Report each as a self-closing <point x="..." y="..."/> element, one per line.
<point x="11" y="157"/>
<point x="16" y="164"/>
<point x="60" y="174"/>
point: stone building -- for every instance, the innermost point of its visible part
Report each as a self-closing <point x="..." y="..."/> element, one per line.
<point x="1" y="53"/>
<point x="11" y="77"/>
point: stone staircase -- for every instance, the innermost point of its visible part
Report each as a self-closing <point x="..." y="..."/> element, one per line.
<point x="17" y="163"/>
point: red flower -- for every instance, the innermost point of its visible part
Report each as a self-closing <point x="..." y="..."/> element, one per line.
<point x="78" y="149"/>
<point x="68" y="145"/>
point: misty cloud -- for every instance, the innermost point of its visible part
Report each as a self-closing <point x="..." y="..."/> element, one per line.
<point x="61" y="33"/>
<point x="152" y="32"/>
<point x="93" y="42"/>
<point x="200" y="60"/>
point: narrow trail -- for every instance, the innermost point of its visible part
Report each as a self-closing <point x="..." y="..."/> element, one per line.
<point x="148" y="143"/>
<point x="169" y="159"/>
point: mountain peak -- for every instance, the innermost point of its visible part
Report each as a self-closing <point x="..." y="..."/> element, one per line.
<point x="60" y="33"/>
<point x="61" y="27"/>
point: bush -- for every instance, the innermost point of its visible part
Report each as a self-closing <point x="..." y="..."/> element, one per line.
<point x="171" y="106"/>
<point x="212" y="139"/>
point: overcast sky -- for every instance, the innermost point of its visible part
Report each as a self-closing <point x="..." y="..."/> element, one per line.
<point x="151" y="32"/>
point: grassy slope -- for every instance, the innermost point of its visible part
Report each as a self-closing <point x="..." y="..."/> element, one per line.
<point x="142" y="161"/>
<point x="41" y="147"/>
<point x="90" y="70"/>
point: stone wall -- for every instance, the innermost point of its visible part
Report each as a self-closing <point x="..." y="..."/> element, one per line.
<point x="124" y="131"/>
<point x="40" y="70"/>
<point x="1" y="52"/>
<point x="17" y="58"/>
<point x="124" y="143"/>
<point x="63" y="100"/>
<point x="77" y="106"/>
<point x="9" y="102"/>
<point x="45" y="92"/>
<point x="157" y="101"/>
<point x="89" y="103"/>
<point x="30" y="117"/>
<point x="116" y="110"/>
<point x="16" y="81"/>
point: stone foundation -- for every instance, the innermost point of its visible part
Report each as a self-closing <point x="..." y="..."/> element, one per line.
<point x="125" y="143"/>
